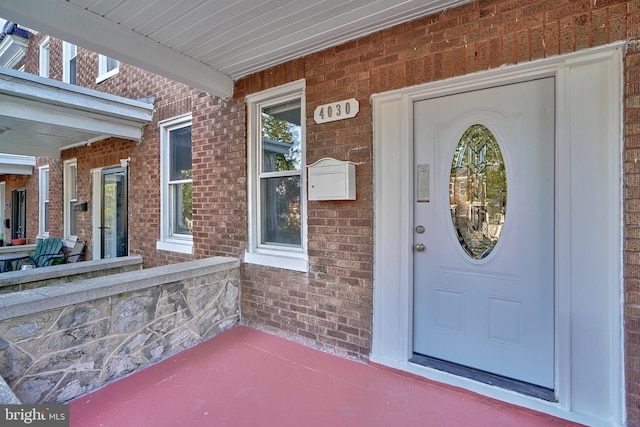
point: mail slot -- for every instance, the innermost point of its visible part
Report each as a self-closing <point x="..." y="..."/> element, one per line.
<point x="331" y="179"/>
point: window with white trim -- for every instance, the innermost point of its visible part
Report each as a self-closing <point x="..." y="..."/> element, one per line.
<point x="176" y="183"/>
<point x="44" y="57"/>
<point x="43" y="205"/>
<point x="69" y="63"/>
<point x="276" y="154"/>
<point x="70" y="199"/>
<point x="107" y="67"/>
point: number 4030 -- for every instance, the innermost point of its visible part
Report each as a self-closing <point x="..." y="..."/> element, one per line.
<point x="336" y="111"/>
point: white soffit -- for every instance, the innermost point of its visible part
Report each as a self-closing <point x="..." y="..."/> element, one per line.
<point x="39" y="116"/>
<point x="11" y="164"/>
<point x="208" y="44"/>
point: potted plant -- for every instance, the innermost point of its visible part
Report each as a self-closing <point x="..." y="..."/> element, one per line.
<point x="19" y="240"/>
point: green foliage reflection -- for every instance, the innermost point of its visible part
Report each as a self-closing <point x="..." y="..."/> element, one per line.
<point x="478" y="191"/>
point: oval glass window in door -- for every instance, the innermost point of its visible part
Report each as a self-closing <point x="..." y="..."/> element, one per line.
<point x="478" y="191"/>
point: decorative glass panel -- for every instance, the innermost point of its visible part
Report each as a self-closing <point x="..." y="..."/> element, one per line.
<point x="478" y="191"/>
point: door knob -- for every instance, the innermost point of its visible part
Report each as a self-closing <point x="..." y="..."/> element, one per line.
<point x="420" y="247"/>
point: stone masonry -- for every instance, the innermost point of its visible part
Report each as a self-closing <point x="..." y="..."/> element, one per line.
<point x="55" y="355"/>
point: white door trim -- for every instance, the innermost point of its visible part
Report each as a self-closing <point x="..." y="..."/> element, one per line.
<point x="589" y="327"/>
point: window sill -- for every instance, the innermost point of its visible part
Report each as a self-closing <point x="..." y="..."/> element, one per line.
<point x="287" y="261"/>
<point x="105" y="76"/>
<point x="185" y="247"/>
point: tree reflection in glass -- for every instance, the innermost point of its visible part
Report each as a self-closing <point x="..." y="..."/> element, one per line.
<point x="478" y="191"/>
<point x="280" y="174"/>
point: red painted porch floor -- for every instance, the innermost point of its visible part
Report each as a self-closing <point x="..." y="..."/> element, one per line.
<point x="245" y="377"/>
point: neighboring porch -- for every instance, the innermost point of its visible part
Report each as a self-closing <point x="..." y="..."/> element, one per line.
<point x="245" y="377"/>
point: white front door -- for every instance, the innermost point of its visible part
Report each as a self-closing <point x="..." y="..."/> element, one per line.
<point x="484" y="230"/>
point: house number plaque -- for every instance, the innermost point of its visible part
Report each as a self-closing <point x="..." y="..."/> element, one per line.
<point x="336" y="111"/>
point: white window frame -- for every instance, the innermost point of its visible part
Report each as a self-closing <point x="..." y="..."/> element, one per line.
<point x="43" y="196"/>
<point x="69" y="52"/>
<point x="44" y="55"/>
<point x="290" y="258"/>
<point x="103" y="73"/>
<point x="181" y="243"/>
<point x="70" y="195"/>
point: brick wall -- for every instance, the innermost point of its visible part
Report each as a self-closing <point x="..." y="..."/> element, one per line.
<point x="219" y="162"/>
<point x="330" y="306"/>
<point x="219" y="177"/>
<point x="631" y="196"/>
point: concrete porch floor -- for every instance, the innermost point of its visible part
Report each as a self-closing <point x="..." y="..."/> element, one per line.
<point x="245" y="377"/>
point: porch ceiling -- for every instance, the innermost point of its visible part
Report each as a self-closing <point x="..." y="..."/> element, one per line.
<point x="210" y="44"/>
<point x="39" y="117"/>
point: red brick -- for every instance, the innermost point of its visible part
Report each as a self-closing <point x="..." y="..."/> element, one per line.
<point x="313" y="306"/>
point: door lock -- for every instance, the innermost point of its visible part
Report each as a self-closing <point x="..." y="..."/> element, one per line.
<point x="420" y="229"/>
<point x="420" y="247"/>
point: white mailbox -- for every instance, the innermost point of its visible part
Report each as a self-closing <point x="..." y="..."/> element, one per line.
<point x="331" y="179"/>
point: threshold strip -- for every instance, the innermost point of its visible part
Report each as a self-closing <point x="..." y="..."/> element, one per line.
<point x="521" y="387"/>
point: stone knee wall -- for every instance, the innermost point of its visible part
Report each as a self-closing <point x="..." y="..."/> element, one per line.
<point x="65" y="273"/>
<point x="55" y="355"/>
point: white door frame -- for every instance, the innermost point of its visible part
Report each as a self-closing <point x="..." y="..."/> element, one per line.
<point x="589" y="379"/>
<point x="96" y="206"/>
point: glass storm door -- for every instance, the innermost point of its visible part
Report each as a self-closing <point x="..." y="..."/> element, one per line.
<point x="19" y="213"/>
<point x="114" y="224"/>
<point x="483" y="231"/>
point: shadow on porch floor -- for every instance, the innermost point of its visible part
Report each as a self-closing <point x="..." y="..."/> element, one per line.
<point x="246" y="377"/>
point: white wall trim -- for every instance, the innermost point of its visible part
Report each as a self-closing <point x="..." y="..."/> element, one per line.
<point x="589" y="329"/>
<point x="44" y="57"/>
